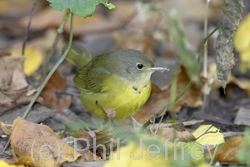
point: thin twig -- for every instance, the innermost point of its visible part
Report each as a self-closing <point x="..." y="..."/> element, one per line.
<point x="159" y="124"/>
<point x="207" y="132"/>
<point x="189" y="84"/>
<point x="28" y="27"/>
<point x="205" y="63"/>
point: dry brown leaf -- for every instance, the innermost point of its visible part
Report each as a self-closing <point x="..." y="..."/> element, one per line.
<point x="17" y="86"/>
<point x="56" y="83"/>
<point x="31" y="92"/>
<point x="158" y="99"/>
<point x="83" y="146"/>
<point x="5" y="103"/>
<point x="172" y="134"/>
<point x="38" y="144"/>
<point x="13" y="84"/>
<point x="4" y="53"/>
<point x="227" y="153"/>
<point x="193" y="97"/>
<point x="88" y="156"/>
<point x="6" y="128"/>
<point x="8" y="64"/>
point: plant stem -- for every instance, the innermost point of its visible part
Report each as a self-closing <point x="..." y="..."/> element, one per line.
<point x="173" y="88"/>
<point x="205" y="40"/>
<point x="52" y="50"/>
<point x="54" y="68"/>
<point x="189" y="84"/>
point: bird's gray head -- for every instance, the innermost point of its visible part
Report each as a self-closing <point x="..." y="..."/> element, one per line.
<point x="131" y="64"/>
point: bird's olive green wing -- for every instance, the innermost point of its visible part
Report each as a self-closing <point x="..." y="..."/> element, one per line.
<point x="91" y="78"/>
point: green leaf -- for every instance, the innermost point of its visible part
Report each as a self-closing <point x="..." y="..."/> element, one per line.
<point x="177" y="36"/>
<point x="84" y="8"/>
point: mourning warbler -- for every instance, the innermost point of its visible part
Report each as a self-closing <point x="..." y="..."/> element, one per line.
<point x="118" y="79"/>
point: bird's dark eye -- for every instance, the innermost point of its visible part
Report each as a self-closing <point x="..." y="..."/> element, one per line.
<point x="139" y="66"/>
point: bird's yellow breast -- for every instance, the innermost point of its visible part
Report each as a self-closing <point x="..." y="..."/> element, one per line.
<point x="125" y="96"/>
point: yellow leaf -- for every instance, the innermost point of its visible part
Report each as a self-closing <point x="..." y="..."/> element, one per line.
<point x="33" y="59"/>
<point x="242" y="35"/>
<point x="245" y="59"/>
<point x="208" y="135"/>
<point x="2" y="163"/>
<point x="37" y="144"/>
<point x="241" y="43"/>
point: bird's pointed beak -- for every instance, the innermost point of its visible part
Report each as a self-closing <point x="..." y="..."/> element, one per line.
<point x="157" y="68"/>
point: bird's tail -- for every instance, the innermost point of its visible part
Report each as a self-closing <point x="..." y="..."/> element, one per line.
<point x="78" y="56"/>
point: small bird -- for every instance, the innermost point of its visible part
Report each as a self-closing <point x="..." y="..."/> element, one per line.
<point x="118" y="79"/>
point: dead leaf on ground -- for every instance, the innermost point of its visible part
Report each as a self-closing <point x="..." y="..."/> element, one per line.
<point x="158" y="99"/>
<point x="9" y="64"/>
<point x="172" y="134"/>
<point x="56" y="83"/>
<point x="7" y="128"/>
<point x="83" y="146"/>
<point x="38" y="145"/>
<point x="88" y="156"/>
<point x="4" y="53"/>
<point x="12" y="82"/>
<point x="228" y="151"/>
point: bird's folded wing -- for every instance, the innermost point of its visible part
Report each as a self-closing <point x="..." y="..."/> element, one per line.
<point x="91" y="79"/>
